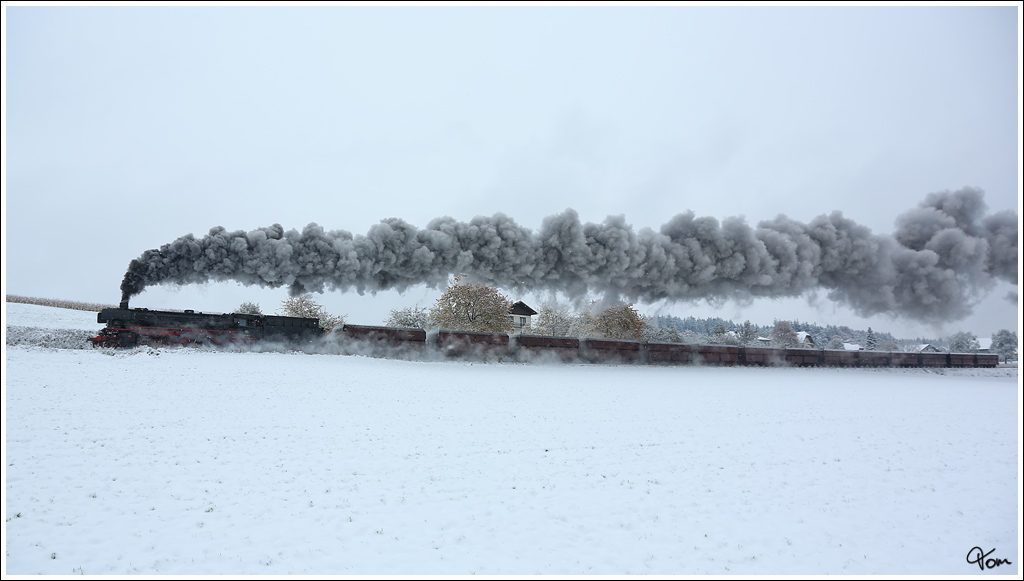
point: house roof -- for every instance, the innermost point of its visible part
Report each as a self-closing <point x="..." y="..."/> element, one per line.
<point x="520" y="308"/>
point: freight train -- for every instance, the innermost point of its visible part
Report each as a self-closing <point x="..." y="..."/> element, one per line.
<point x="127" y="327"/>
<point x="131" y="327"/>
<point x="502" y="347"/>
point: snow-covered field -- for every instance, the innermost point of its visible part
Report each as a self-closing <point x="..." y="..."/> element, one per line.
<point x="195" y="462"/>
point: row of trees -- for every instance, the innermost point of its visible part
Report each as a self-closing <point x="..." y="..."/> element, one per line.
<point x="717" y="330"/>
<point x="300" y="306"/>
<point x="825" y="335"/>
<point x="469" y="306"/>
<point x="464" y="306"/>
<point x="621" y="322"/>
<point x="1004" y="343"/>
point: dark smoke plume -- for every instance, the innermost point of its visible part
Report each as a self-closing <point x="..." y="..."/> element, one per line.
<point x="944" y="256"/>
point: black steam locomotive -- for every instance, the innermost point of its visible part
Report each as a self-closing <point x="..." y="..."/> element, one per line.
<point x="132" y="327"/>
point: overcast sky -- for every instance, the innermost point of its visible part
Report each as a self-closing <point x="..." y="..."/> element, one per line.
<point x="127" y="127"/>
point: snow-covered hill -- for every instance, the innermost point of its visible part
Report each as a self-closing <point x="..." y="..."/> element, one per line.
<point x="25" y="315"/>
<point x="195" y="462"/>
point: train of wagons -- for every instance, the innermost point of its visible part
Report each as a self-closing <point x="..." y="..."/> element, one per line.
<point x="126" y="327"/>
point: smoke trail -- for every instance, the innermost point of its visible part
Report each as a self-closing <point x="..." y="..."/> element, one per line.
<point x="943" y="257"/>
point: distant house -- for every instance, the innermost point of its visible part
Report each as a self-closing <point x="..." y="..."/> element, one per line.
<point x="852" y="347"/>
<point x="522" y="317"/>
<point x="984" y="344"/>
<point x="926" y="348"/>
<point x="804" y="340"/>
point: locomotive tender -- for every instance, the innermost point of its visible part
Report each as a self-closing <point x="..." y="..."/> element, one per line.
<point x="127" y="327"/>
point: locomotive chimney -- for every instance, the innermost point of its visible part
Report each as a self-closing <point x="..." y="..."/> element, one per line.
<point x="124" y="304"/>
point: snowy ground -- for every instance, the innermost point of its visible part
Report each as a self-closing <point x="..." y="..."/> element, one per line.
<point x="193" y="462"/>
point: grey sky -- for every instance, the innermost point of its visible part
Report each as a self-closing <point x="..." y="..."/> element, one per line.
<point x="129" y="127"/>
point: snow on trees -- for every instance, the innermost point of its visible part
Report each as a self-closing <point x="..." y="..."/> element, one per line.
<point x="725" y="337"/>
<point x="410" y="317"/>
<point x="748" y="333"/>
<point x="656" y="333"/>
<point x="304" y="306"/>
<point x="964" y="342"/>
<point x="890" y="345"/>
<point x="469" y="306"/>
<point x="1004" y="342"/>
<point x="621" y="322"/>
<point x="783" y="335"/>
<point x="248" y="308"/>
<point x="872" y="342"/>
<point x="555" y="320"/>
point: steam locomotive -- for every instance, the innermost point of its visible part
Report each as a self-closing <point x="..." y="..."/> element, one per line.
<point x="127" y="327"/>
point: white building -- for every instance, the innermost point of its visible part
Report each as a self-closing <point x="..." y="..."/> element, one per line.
<point x="803" y="340"/>
<point x="522" y="317"/>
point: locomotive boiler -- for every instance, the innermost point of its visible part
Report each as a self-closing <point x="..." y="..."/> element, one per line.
<point x="127" y="327"/>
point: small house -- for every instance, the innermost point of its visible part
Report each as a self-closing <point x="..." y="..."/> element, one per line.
<point x="522" y="317"/>
<point x="804" y="340"/>
<point x="926" y="348"/>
